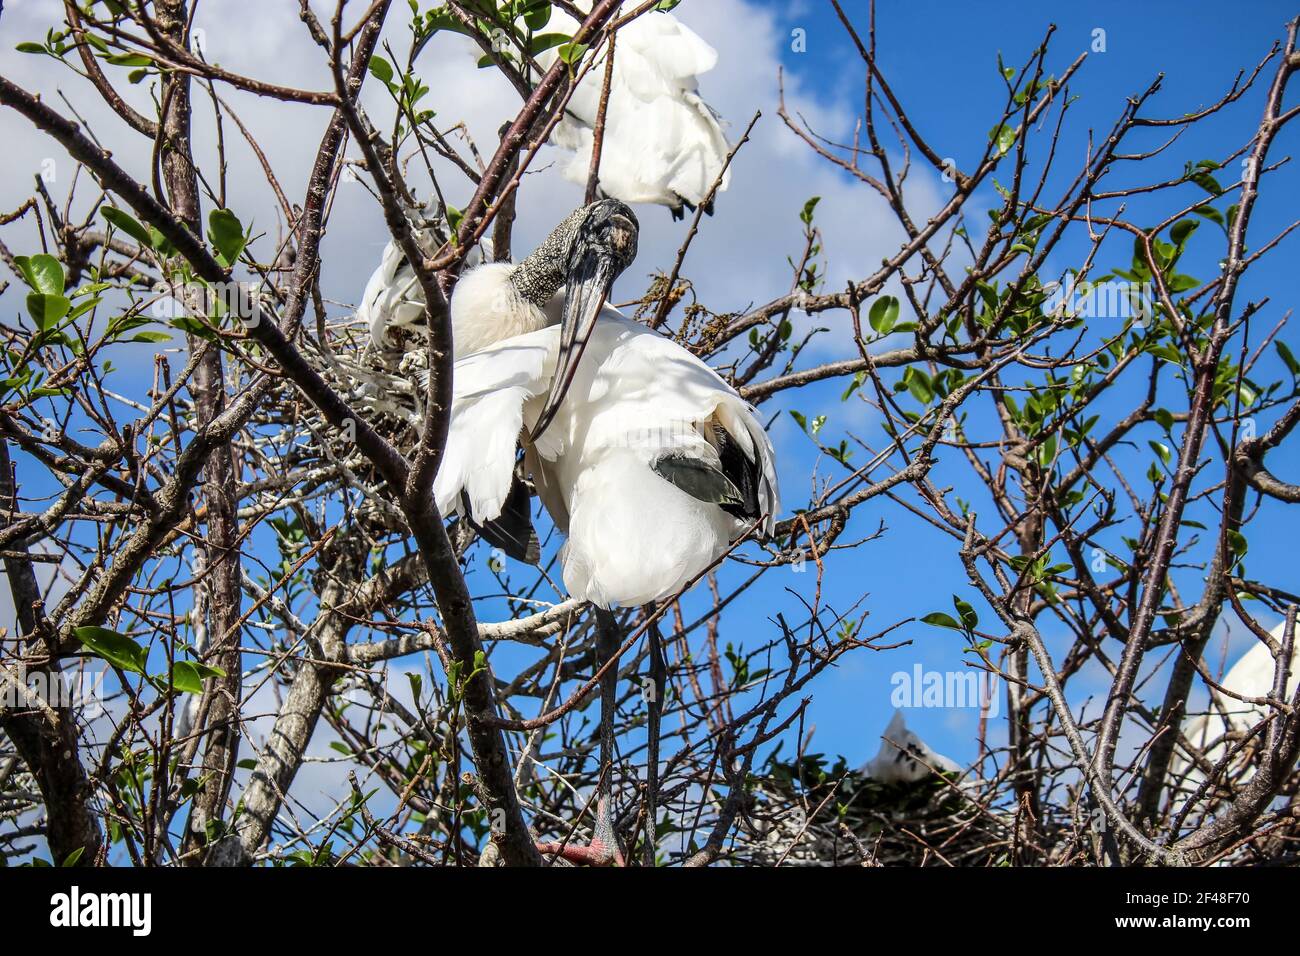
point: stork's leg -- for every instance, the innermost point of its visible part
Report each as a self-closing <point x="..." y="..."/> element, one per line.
<point x="658" y="685"/>
<point x="604" y="849"/>
<point x="608" y="637"/>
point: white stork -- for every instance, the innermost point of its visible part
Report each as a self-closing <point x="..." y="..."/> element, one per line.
<point x="1228" y="720"/>
<point x="662" y="143"/>
<point x="904" y="757"/>
<point x="648" y="461"/>
<point x="621" y="423"/>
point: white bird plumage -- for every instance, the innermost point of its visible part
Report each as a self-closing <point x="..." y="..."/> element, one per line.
<point x="904" y="757"/>
<point x="633" y="536"/>
<point x="393" y="301"/>
<point x="1227" y="719"/>
<point x="662" y="143"/>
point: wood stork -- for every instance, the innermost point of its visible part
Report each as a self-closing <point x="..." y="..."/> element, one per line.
<point x="662" y="143"/>
<point x="1227" y="720"/>
<point x="643" y="456"/>
<point x="620" y="423"/>
<point x="904" y="757"/>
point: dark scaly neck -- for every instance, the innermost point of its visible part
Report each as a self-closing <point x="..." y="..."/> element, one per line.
<point x="541" y="273"/>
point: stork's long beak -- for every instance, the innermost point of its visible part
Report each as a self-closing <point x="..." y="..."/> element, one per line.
<point x="593" y="267"/>
<point x="585" y="292"/>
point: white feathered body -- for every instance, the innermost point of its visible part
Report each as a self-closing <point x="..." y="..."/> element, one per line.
<point x="1251" y="676"/>
<point x="904" y="757"/>
<point x="633" y="537"/>
<point x="392" y="306"/>
<point x="663" y="144"/>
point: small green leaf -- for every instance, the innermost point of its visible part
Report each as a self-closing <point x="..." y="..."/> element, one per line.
<point x="883" y="314"/>
<point x="117" y="649"/>
<point x="185" y="678"/>
<point x="129" y="59"/>
<point x="806" y="216"/>
<point x="571" y="53"/>
<point x="188" y="676"/>
<point x="1284" y="352"/>
<point x="545" y="41"/>
<point x="939" y="619"/>
<point x="124" y="221"/>
<point x="226" y="233"/>
<point x="969" y="619"/>
<point x="47" y="310"/>
<point x="381" y="69"/>
<point x="42" y="272"/>
<point x="1237" y="542"/>
<point x="1004" y="136"/>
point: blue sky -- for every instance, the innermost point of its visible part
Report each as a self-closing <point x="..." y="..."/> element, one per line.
<point x="941" y="62"/>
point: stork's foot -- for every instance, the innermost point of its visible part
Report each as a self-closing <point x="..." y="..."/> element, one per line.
<point x="597" y="853"/>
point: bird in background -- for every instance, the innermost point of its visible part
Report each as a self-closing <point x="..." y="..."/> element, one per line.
<point x="662" y="144"/>
<point x="904" y="758"/>
<point x="1227" y="721"/>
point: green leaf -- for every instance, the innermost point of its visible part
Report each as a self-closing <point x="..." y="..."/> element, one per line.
<point x="72" y="858"/>
<point x="1161" y="449"/>
<point x="571" y="53"/>
<point x="1204" y="179"/>
<point x="1212" y="214"/>
<point x="806" y="216"/>
<point x="545" y="41"/>
<point x="129" y="59"/>
<point x="185" y="678"/>
<point x="226" y="234"/>
<point x="1284" y="352"/>
<point x="799" y="417"/>
<point x="117" y="649"/>
<point x="1237" y="542"/>
<point x="47" y="310"/>
<point x="381" y="69"/>
<point x="1182" y="230"/>
<point x="969" y="619"/>
<point x="42" y="272"/>
<point x="939" y="619"/>
<point x="124" y="221"/>
<point x="188" y="676"/>
<point x="538" y="16"/>
<point x="1004" y="136"/>
<point x="151" y="337"/>
<point x="27" y="46"/>
<point x="454" y="218"/>
<point x="883" y="314"/>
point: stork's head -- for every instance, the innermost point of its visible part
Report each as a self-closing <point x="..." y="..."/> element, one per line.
<point x="602" y="244"/>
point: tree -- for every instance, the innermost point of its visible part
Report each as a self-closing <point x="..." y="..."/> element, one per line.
<point x="255" y="531"/>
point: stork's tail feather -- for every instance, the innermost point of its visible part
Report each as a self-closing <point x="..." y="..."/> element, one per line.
<point x="512" y="531"/>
